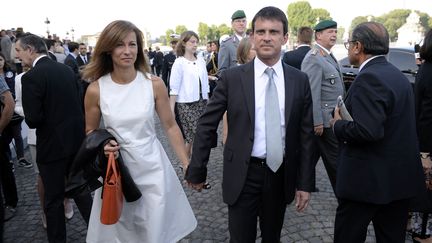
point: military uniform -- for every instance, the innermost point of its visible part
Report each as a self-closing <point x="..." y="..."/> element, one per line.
<point x="227" y="56"/>
<point x="326" y="84"/>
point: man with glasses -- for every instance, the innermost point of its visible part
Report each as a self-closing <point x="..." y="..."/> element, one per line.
<point x="326" y="85"/>
<point x="227" y="56"/>
<point x="379" y="166"/>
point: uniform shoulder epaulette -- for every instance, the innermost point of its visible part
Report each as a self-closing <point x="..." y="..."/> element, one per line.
<point x="314" y="51"/>
<point x="227" y="39"/>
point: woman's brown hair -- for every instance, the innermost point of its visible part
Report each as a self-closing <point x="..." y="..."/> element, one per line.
<point x="101" y="61"/>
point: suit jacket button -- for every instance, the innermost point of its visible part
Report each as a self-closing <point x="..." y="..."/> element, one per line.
<point x="345" y="142"/>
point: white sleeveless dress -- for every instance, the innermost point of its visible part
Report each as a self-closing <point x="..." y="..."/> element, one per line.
<point x="163" y="213"/>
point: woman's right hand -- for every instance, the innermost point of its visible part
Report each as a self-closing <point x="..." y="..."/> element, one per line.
<point x="111" y="146"/>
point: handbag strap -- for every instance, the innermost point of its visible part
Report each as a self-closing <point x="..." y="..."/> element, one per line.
<point x="112" y="165"/>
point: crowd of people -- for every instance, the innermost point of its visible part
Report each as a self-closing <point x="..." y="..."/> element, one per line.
<point x="280" y="113"/>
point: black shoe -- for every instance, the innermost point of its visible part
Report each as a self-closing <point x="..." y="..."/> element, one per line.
<point x="9" y="212"/>
<point x="24" y="163"/>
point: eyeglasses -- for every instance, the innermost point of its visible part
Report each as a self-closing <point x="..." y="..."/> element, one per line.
<point x="346" y="43"/>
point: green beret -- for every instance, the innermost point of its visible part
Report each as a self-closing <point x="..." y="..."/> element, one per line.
<point x="325" y="24"/>
<point x="239" y="14"/>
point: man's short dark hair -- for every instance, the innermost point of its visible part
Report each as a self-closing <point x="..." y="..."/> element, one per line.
<point x="72" y="46"/>
<point x="271" y="13"/>
<point x="49" y="43"/>
<point x="305" y="35"/>
<point x="374" y="37"/>
<point x="426" y="48"/>
<point x="29" y="40"/>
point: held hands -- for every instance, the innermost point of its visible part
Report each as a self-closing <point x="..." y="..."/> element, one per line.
<point x="426" y="162"/>
<point x="302" y="200"/>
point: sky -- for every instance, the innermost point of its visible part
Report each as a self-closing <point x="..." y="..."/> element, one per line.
<point x="91" y="16"/>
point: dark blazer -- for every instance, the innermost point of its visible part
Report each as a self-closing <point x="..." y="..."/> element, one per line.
<point x="295" y="57"/>
<point x="379" y="158"/>
<point x="72" y="63"/>
<point x="80" y="61"/>
<point x="52" y="56"/>
<point x="235" y="94"/>
<point x="168" y="62"/>
<point x="423" y="97"/>
<point x="51" y="104"/>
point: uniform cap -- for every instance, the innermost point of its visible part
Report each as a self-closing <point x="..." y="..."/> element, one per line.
<point x="325" y="24"/>
<point x="239" y="14"/>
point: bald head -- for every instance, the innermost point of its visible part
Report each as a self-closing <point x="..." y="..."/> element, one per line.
<point x="373" y="36"/>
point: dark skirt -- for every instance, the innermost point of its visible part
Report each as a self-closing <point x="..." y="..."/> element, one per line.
<point x="189" y="113"/>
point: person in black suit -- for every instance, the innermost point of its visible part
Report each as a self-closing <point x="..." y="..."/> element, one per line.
<point x="379" y="166"/>
<point x="71" y="61"/>
<point x="255" y="185"/>
<point x="295" y="57"/>
<point x="51" y="47"/>
<point x="84" y="57"/>
<point x="421" y="222"/>
<point x="52" y="105"/>
<point x="168" y="61"/>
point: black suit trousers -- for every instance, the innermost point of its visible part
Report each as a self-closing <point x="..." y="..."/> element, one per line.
<point x="262" y="197"/>
<point x="7" y="175"/>
<point x="389" y="221"/>
<point x="53" y="177"/>
<point x="328" y="146"/>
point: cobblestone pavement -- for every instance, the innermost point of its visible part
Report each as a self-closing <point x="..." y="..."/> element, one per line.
<point x="315" y="225"/>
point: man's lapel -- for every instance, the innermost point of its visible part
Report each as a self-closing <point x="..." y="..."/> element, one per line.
<point x="289" y="92"/>
<point x="247" y="83"/>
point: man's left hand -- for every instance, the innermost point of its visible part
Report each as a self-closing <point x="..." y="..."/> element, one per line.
<point x="302" y="200"/>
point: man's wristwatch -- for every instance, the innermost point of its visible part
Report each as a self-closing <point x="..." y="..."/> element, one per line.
<point x="424" y="155"/>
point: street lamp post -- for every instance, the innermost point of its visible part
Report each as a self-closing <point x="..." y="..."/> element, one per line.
<point x="72" y="31"/>
<point x="47" y="22"/>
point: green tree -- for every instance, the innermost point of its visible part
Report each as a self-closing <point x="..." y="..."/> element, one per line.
<point x="340" y="34"/>
<point x="356" y="21"/>
<point x="203" y="32"/>
<point x="299" y="14"/>
<point x="168" y="34"/>
<point x="179" y="29"/>
<point x="425" y="19"/>
<point x="224" y="30"/>
<point x="319" y="14"/>
<point x="393" y="21"/>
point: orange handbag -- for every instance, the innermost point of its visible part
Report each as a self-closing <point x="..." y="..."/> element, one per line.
<point x="112" y="197"/>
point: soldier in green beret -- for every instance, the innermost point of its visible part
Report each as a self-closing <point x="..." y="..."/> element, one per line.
<point x="227" y="56"/>
<point x="228" y="49"/>
<point x="326" y="85"/>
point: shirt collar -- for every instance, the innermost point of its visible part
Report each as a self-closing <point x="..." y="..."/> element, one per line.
<point x="38" y="58"/>
<point x="368" y="60"/>
<point x="324" y="49"/>
<point x="260" y="67"/>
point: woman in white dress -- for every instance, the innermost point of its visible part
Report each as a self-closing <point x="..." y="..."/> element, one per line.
<point x="125" y="95"/>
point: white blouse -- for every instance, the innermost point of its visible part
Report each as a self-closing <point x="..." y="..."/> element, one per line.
<point x="185" y="80"/>
<point x="31" y="136"/>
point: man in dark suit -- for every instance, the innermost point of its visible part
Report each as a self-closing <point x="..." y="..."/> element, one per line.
<point x="71" y="61"/>
<point x="379" y="166"/>
<point x="51" y="105"/>
<point x="168" y="61"/>
<point x="266" y="156"/>
<point x="295" y="57"/>
<point x="84" y="57"/>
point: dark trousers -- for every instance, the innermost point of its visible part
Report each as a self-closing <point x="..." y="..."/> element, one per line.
<point x="1" y="215"/>
<point x="262" y="197"/>
<point x="7" y="175"/>
<point x="19" y="144"/>
<point x="327" y="148"/>
<point x="53" y="177"/>
<point x="389" y="221"/>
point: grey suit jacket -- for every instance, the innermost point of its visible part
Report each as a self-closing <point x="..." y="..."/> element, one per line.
<point x="326" y="83"/>
<point x="227" y="56"/>
<point x="235" y="94"/>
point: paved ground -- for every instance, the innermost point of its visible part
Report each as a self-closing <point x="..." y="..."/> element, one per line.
<point x="315" y="225"/>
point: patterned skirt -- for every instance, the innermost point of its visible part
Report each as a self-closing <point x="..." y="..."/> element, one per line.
<point x="188" y="114"/>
